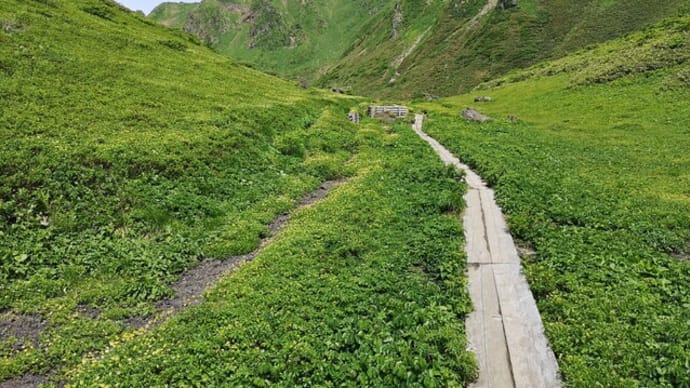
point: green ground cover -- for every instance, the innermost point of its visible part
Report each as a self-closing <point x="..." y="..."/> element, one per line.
<point x="359" y="45"/>
<point x="366" y="287"/>
<point x="292" y="38"/>
<point x="128" y="153"/>
<point x="172" y="14"/>
<point x="595" y="178"/>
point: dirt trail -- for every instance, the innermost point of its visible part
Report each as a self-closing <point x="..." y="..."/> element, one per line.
<point x="505" y="330"/>
<point x="491" y="4"/>
<point x="191" y="286"/>
<point x="26" y="330"/>
<point x="189" y="291"/>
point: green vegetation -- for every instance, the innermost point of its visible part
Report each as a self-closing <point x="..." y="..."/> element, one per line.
<point x="425" y="48"/>
<point x="173" y="14"/>
<point x="292" y="38"/>
<point x="595" y="178"/>
<point x="455" y="56"/>
<point x="366" y="287"/>
<point x="128" y="153"/>
<point x="131" y="151"/>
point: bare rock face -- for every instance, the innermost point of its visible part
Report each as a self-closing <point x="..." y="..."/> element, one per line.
<point x="397" y="21"/>
<point x="473" y="115"/>
<point x="505" y="4"/>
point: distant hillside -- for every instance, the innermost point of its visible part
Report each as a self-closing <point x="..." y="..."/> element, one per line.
<point x="407" y="48"/>
<point x="458" y="50"/>
<point x="294" y="38"/>
<point x="173" y="14"/>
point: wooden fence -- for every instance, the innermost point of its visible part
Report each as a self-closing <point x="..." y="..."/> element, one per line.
<point x="395" y="110"/>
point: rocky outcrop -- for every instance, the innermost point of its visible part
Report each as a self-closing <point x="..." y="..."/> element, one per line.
<point x="268" y="29"/>
<point x="505" y="4"/>
<point x="397" y="21"/>
<point x="208" y="23"/>
<point x="473" y="115"/>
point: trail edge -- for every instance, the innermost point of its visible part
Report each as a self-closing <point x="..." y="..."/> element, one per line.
<point x="505" y="330"/>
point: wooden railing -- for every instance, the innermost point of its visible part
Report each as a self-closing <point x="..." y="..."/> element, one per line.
<point x="395" y="110"/>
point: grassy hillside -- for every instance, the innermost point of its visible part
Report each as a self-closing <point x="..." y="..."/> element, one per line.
<point x="131" y="151"/>
<point x="292" y="38"/>
<point x="128" y="153"/>
<point x="173" y="14"/>
<point x="410" y="48"/>
<point x="458" y="51"/>
<point x="365" y="288"/>
<point x="594" y="177"/>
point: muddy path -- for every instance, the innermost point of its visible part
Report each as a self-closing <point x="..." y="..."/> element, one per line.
<point x="24" y="330"/>
<point x="505" y="330"/>
<point x="189" y="291"/>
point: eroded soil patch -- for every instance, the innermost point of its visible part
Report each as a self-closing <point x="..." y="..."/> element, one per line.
<point x="88" y="311"/>
<point x="683" y="255"/>
<point x="25" y="328"/>
<point x="25" y="381"/>
<point x="188" y="290"/>
<point x="192" y="284"/>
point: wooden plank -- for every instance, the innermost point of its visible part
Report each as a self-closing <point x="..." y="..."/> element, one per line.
<point x="505" y="330"/>
<point x="485" y="333"/>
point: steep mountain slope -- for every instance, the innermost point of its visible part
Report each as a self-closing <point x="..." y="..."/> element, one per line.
<point x="454" y="49"/>
<point x="294" y="38"/>
<point x="408" y="48"/>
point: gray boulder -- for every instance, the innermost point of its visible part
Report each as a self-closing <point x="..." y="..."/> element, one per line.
<point x="505" y="4"/>
<point x="473" y="115"/>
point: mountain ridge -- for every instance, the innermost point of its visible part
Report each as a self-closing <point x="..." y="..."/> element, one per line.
<point x="411" y="48"/>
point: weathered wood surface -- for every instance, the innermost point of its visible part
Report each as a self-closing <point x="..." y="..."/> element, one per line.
<point x="396" y="110"/>
<point x="505" y="330"/>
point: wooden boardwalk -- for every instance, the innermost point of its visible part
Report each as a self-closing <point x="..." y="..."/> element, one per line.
<point x="505" y="330"/>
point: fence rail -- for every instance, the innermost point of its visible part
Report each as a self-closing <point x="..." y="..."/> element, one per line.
<point x="396" y="110"/>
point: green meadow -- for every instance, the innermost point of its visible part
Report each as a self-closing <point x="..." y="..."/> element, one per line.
<point x="128" y="154"/>
<point x="366" y="287"/>
<point x="132" y="152"/>
<point x="594" y="178"/>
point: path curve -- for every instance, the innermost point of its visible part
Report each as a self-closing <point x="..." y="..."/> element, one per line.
<point x="505" y="330"/>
